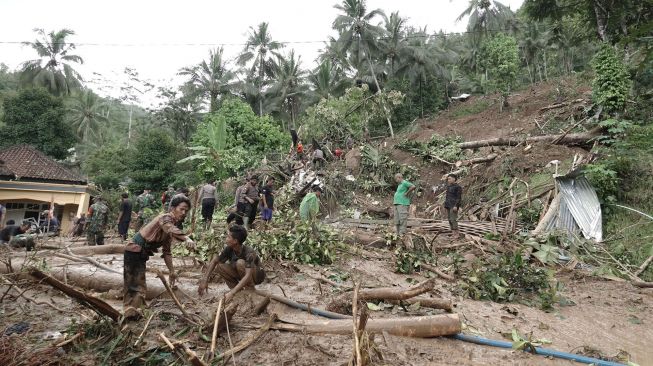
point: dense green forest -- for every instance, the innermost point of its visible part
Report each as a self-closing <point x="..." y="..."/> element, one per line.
<point x="228" y="115"/>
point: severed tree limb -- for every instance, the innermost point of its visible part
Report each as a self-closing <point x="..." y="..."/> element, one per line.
<point x="192" y="357"/>
<point x="358" y="359"/>
<point x="642" y="284"/>
<point x="435" y="303"/>
<point x="214" y="337"/>
<point x="437" y="272"/>
<point x="174" y="297"/>
<point x="251" y="339"/>
<point x="147" y="324"/>
<point x="644" y="265"/>
<point x="89" y="301"/>
<point x="473" y="161"/>
<point x="342" y="304"/>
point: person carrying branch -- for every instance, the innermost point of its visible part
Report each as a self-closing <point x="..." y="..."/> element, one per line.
<point x="238" y="264"/>
<point x="402" y="203"/>
<point x="161" y="232"/>
<point x="452" y="203"/>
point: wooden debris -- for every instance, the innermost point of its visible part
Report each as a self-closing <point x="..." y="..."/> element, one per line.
<point x="192" y="357"/>
<point x="147" y="324"/>
<point x="251" y="339"/>
<point x="485" y="159"/>
<point x="214" y="336"/>
<point x="560" y="105"/>
<point x="562" y="139"/>
<point x="418" y="326"/>
<point x="642" y="284"/>
<point x="433" y="303"/>
<point x="437" y="272"/>
<point x="342" y="304"/>
<point x="358" y="359"/>
<point x="304" y="307"/>
<point x="644" y="265"/>
<point x="188" y="316"/>
<point x="89" y="301"/>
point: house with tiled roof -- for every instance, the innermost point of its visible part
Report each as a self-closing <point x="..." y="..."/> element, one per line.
<point x="32" y="182"/>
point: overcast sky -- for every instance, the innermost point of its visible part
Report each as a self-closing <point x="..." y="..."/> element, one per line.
<point x="157" y="38"/>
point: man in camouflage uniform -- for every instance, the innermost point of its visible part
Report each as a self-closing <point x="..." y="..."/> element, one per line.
<point x="166" y="197"/>
<point x="98" y="217"/>
<point x="144" y="201"/>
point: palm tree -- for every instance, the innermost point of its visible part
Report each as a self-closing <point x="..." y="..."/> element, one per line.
<point x="259" y="43"/>
<point x="289" y="85"/>
<point x="52" y="69"/>
<point x="360" y="37"/>
<point x="391" y="46"/>
<point x="86" y="113"/>
<point x="211" y="79"/>
<point x="422" y="59"/>
<point x="327" y="80"/>
<point x="531" y="43"/>
<point x="486" y="16"/>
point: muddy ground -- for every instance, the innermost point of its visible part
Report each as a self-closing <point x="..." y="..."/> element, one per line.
<point x="602" y="317"/>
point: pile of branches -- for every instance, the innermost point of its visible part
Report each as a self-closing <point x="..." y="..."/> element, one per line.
<point x="438" y="148"/>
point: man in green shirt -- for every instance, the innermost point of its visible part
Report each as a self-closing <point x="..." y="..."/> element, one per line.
<point x="310" y="205"/>
<point x="402" y="202"/>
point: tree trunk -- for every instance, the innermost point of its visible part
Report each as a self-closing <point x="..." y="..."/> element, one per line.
<point x="546" y="71"/>
<point x="418" y="326"/>
<point x="601" y="25"/>
<point x="569" y="139"/>
<point x="129" y="129"/>
<point x="421" y="100"/>
<point x="260" y="86"/>
<point x="214" y="102"/>
<point x="376" y="82"/>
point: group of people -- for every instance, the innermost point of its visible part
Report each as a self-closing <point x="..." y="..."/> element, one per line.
<point x="403" y="196"/>
<point x="249" y="200"/>
<point x="238" y="264"/>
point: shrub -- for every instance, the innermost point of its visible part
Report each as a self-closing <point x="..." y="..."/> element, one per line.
<point x="611" y="84"/>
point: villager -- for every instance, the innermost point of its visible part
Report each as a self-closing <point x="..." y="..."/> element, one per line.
<point x="144" y="201"/>
<point x="238" y="264"/>
<point x="208" y="199"/>
<point x="268" y="200"/>
<point x="310" y="205"/>
<point x="452" y="203"/>
<point x="161" y="232"/>
<point x="402" y="203"/>
<point x="124" y="216"/>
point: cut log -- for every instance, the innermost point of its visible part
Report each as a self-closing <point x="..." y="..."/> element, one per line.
<point x="550" y="215"/>
<point x="642" y="284"/>
<point x="473" y="161"/>
<point x="644" y="265"/>
<point x="419" y="326"/>
<point x="342" y="304"/>
<point x="99" y="249"/>
<point x="437" y="272"/>
<point x="569" y="139"/>
<point x="89" y="301"/>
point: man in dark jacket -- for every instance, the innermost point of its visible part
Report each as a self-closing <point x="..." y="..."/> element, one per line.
<point x="452" y="203"/>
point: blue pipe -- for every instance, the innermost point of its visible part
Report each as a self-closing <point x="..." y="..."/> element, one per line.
<point x="538" y="350"/>
<point x="459" y="336"/>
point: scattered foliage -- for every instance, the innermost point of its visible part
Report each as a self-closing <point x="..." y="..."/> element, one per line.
<point x="438" y="147"/>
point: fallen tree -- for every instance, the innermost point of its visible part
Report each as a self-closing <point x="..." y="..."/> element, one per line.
<point x="417" y="326"/>
<point x="561" y="139"/>
<point x="484" y="159"/>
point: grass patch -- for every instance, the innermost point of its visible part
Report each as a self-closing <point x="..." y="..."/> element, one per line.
<point x="471" y="108"/>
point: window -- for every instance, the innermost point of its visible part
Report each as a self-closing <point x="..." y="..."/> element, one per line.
<point x="15" y="206"/>
<point x="32" y="206"/>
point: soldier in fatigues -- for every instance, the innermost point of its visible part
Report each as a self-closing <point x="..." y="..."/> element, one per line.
<point x="98" y="217"/>
<point x="145" y="200"/>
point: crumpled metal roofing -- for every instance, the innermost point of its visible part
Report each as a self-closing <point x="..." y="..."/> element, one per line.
<point x="579" y="208"/>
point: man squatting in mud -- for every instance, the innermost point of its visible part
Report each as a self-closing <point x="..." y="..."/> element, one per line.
<point x="238" y="264"/>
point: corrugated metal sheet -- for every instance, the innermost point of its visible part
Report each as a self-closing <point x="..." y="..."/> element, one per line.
<point x="581" y="202"/>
